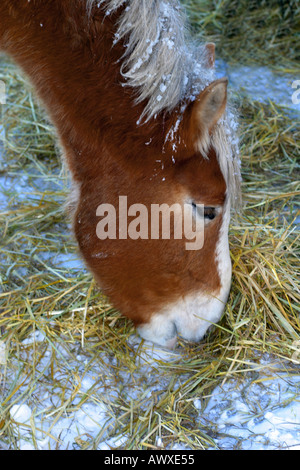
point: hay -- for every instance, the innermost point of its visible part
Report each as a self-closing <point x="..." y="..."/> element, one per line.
<point x="63" y="348"/>
<point x="256" y="31"/>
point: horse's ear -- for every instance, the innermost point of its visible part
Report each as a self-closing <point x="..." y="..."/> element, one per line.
<point x="200" y="118"/>
<point x="209" y="107"/>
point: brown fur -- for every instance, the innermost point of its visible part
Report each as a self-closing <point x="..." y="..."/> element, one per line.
<point x="76" y="73"/>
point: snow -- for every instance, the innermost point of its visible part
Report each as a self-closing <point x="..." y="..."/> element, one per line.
<point x="68" y="261"/>
<point x="261" y="413"/>
<point x="261" y="84"/>
<point x="93" y="390"/>
<point x="20" y="413"/>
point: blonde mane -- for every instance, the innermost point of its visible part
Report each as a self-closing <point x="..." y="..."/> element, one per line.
<point x="160" y="59"/>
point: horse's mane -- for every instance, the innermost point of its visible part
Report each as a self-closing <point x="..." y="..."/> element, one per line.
<point x="159" y="60"/>
<point x="167" y="69"/>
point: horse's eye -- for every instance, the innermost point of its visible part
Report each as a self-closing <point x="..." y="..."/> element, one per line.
<point x="210" y="213"/>
<point x="207" y="212"/>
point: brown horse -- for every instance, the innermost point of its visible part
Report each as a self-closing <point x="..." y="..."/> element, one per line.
<point x="141" y="119"/>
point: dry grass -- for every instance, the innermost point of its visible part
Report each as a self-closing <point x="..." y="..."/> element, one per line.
<point x="77" y="333"/>
<point x="250" y="31"/>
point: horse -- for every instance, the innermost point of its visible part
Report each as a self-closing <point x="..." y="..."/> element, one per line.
<point x="141" y="119"/>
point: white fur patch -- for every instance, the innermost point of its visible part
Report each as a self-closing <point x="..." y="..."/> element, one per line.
<point x="190" y="318"/>
<point x="223" y="254"/>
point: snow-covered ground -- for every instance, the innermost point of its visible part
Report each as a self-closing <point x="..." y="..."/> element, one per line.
<point x="96" y="387"/>
<point x="263" y="84"/>
<point x="261" y="412"/>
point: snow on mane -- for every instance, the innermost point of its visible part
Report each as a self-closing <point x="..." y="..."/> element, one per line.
<point x="160" y="59"/>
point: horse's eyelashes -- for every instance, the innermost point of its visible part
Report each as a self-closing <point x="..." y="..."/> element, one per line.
<point x="207" y="212"/>
<point x="210" y="213"/>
